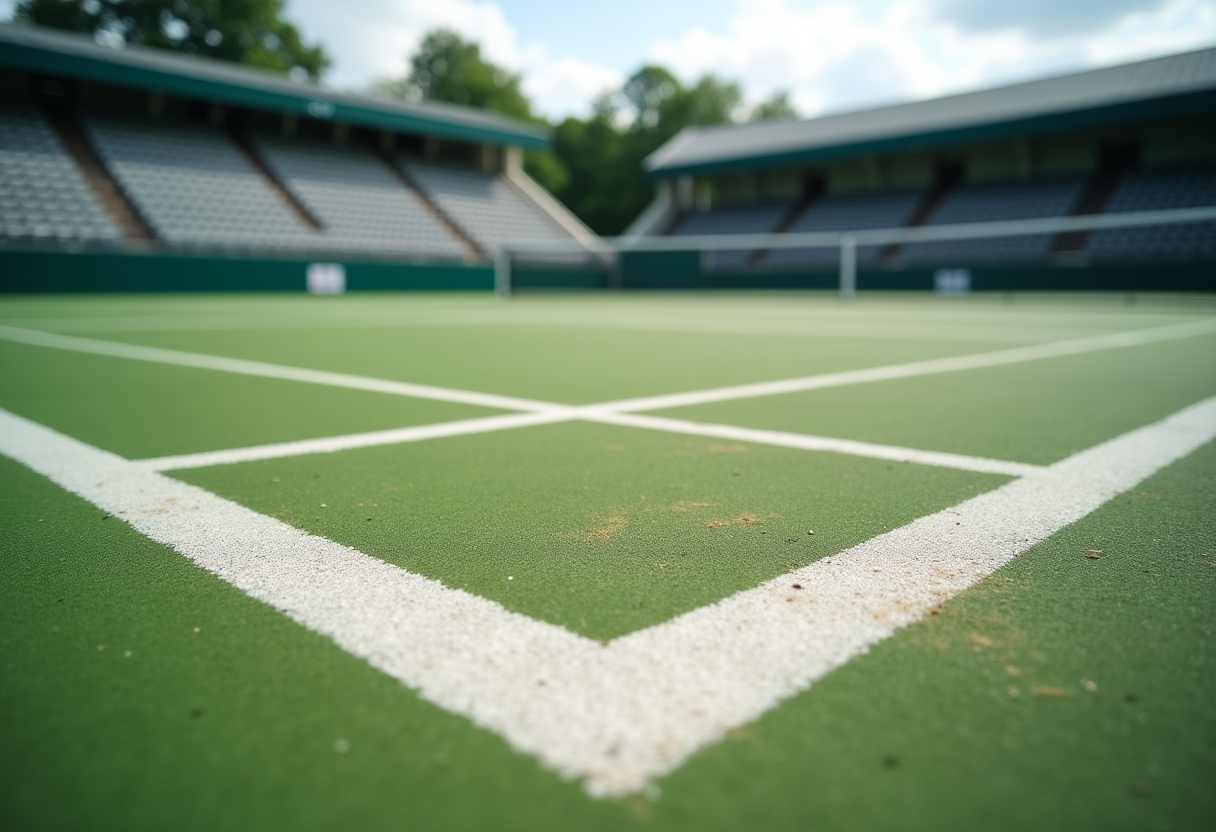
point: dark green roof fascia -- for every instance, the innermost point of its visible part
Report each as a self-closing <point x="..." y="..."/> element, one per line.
<point x="1163" y="107"/>
<point x="87" y="68"/>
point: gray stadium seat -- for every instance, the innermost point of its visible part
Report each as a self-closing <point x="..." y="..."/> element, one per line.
<point x="755" y="218"/>
<point x="995" y="202"/>
<point x="195" y="187"/>
<point x="42" y="194"/>
<point x="361" y="204"/>
<point x="486" y="207"/>
<point x="1157" y="190"/>
<point x="846" y="212"/>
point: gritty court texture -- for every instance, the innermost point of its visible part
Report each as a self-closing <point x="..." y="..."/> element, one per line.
<point x="610" y="562"/>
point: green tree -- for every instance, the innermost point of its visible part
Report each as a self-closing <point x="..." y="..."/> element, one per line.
<point x="243" y="31"/>
<point x="592" y="151"/>
<point x="710" y="101"/>
<point x="448" y="68"/>
<point x="777" y="108"/>
<point x="608" y="185"/>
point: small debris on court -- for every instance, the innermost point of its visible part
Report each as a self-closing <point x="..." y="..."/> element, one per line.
<point x="1093" y="554"/>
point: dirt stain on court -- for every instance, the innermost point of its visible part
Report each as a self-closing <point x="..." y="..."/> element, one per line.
<point x="605" y="529"/>
<point x="744" y="519"/>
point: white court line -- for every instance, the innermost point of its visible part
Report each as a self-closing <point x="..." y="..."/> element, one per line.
<point x="768" y="388"/>
<point x="241" y="366"/>
<point x="371" y="439"/>
<point x="748" y="324"/>
<point x="599" y="412"/>
<point x="616" y="715"/>
<point x="919" y="368"/>
<point x="331" y="444"/>
<point x="813" y="443"/>
<point x="602" y="412"/>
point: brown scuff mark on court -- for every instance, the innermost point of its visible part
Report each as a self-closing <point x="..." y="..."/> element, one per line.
<point x="172" y="504"/>
<point x="689" y="505"/>
<point x="744" y="519"/>
<point x="608" y="528"/>
<point x="723" y="448"/>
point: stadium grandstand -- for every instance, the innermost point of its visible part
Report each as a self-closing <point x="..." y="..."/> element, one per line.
<point x="1139" y="137"/>
<point x="136" y="168"/>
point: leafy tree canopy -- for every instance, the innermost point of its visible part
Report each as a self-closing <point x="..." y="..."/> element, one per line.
<point x="243" y="31"/>
<point x="607" y="185"/>
<point x="777" y="108"/>
<point x="448" y="68"/>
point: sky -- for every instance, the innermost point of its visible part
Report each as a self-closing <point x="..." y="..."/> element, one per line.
<point x="828" y="55"/>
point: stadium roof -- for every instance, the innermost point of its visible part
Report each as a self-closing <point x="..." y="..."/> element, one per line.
<point x="38" y="49"/>
<point x="1160" y="87"/>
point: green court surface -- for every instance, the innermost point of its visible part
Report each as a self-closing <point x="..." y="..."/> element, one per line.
<point x="1070" y="685"/>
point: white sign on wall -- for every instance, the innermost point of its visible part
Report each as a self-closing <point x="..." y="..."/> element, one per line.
<point x="952" y="281"/>
<point x="326" y="278"/>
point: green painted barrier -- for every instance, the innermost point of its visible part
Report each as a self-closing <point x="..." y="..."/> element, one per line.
<point x="44" y="270"/>
<point x="57" y="270"/>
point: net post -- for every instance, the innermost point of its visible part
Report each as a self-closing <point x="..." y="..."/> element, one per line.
<point x="616" y="278"/>
<point x="848" y="268"/>
<point x="502" y="273"/>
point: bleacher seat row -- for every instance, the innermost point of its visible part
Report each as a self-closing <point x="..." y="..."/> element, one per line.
<point x="1138" y="190"/>
<point x="42" y="194"/>
<point x="196" y="188"/>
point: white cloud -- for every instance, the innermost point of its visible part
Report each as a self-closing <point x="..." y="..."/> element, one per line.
<point x="829" y="54"/>
<point x="1180" y="26"/>
<point x="375" y="38"/>
<point x="567" y="85"/>
<point x="376" y="41"/>
<point x="840" y="55"/>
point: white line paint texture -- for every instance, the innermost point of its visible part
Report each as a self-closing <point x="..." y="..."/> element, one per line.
<point x="240" y="366"/>
<point x="607" y="412"/>
<point x="617" y="715"/>
<point x="371" y="439"/>
<point x="350" y="441"/>
<point x="807" y="442"/>
<point x="769" y="388"/>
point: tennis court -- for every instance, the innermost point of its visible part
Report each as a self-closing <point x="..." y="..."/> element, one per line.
<point x="567" y="562"/>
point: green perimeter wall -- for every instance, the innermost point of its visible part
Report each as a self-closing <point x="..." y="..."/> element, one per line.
<point x="683" y="270"/>
<point x="105" y="271"/>
<point x="33" y="270"/>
